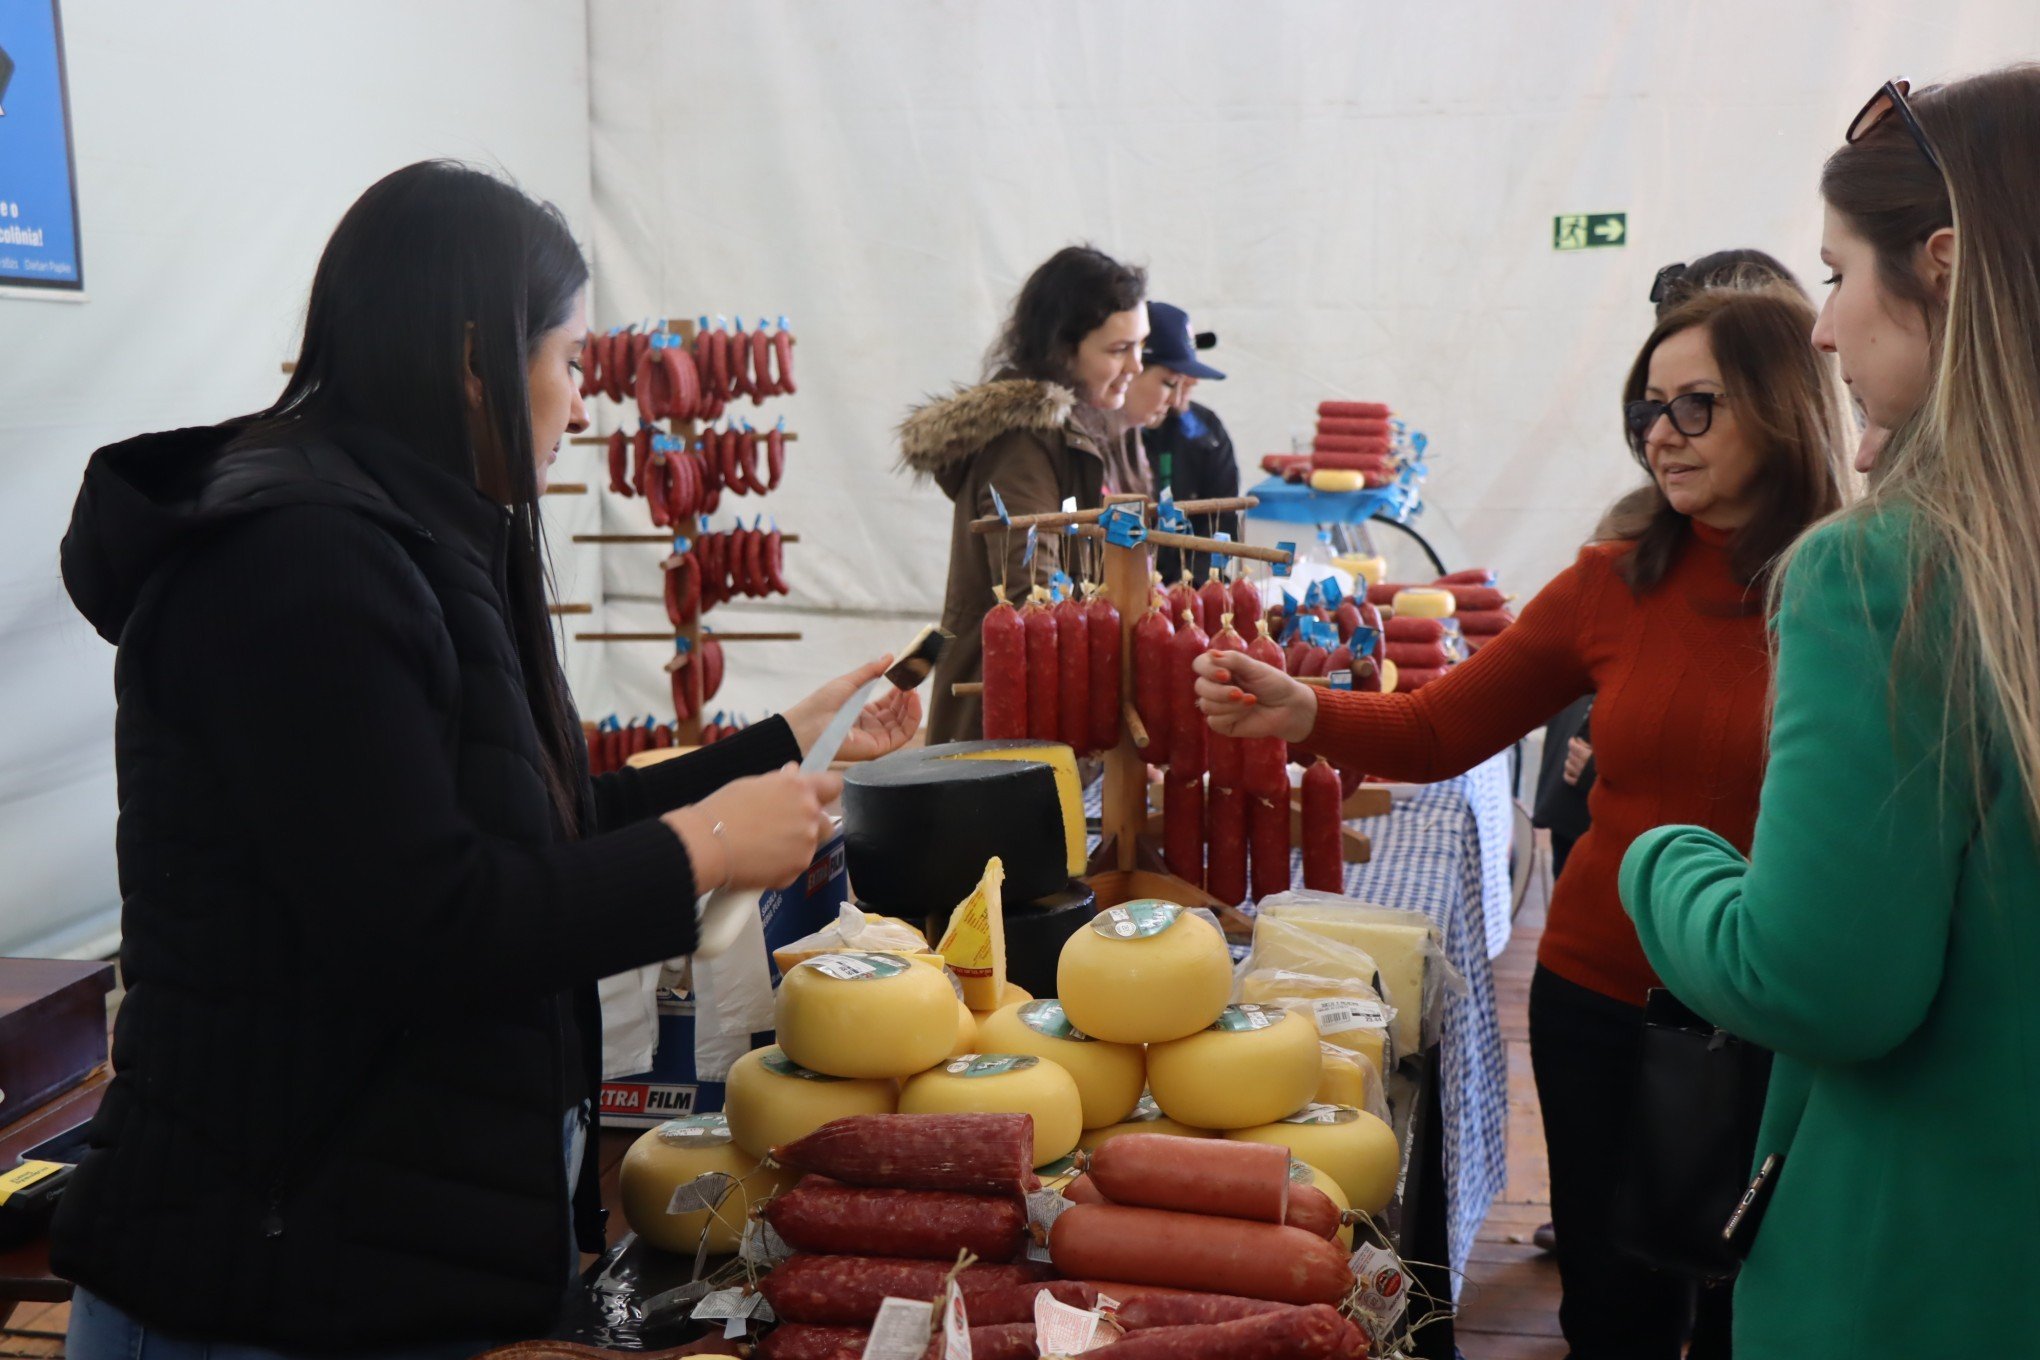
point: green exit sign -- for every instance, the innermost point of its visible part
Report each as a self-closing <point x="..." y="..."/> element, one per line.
<point x="1588" y="231"/>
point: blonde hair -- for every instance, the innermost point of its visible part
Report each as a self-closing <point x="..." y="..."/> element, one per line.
<point x="1967" y="463"/>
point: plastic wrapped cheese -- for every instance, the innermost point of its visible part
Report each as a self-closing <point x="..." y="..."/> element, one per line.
<point x="1408" y="953"/>
<point x="1347" y="1011"/>
<point x="852" y="930"/>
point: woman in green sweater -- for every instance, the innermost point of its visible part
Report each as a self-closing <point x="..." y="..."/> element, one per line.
<point x="1884" y="935"/>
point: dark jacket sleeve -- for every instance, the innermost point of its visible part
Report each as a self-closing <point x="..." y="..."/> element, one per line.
<point x="629" y="795"/>
<point x="305" y="659"/>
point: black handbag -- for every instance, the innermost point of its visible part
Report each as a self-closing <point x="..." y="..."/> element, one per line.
<point x="1692" y="1138"/>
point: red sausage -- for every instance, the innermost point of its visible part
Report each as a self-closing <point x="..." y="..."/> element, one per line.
<point x="1324" y="861"/>
<point x="1006" y="1341"/>
<point x="847" y="1290"/>
<point x="761" y="366"/>
<point x="1246" y="606"/>
<point x="1044" y="659"/>
<point x="985" y="1154"/>
<point x="1187" y="727"/>
<point x="1384" y="594"/>
<point x="1418" y="655"/>
<point x="775" y="564"/>
<point x="740" y="362"/>
<point x="799" y="1341"/>
<point x="1351" y="425"/>
<point x="1472" y="576"/>
<point x="1293" y="655"/>
<point x="1370" y="617"/>
<point x="619" y="464"/>
<point x="1484" y="622"/>
<point x="1416" y="678"/>
<point x="1152" y="698"/>
<point x="1198" y="1251"/>
<point x="682" y="686"/>
<point x="775" y="457"/>
<point x="782" y="351"/>
<point x="1191" y="1310"/>
<point x="1223" y="753"/>
<point x="1264" y="761"/>
<point x="711" y="668"/>
<point x="1183" y="825"/>
<point x="747" y="459"/>
<point x="1319" y="1332"/>
<point x="1073" y="665"/>
<point x="929" y="1225"/>
<point x="1312" y="1210"/>
<point x="1194" y="1175"/>
<point x="591" y="364"/>
<point x="1182" y="596"/>
<point x="1346" y="618"/>
<point x="1355" y="410"/>
<point x="659" y="491"/>
<point x="641" y="459"/>
<point x="1415" y="630"/>
<point x="1005" y="647"/>
<point x="1480" y="599"/>
<point x="1225" y="870"/>
<point x="1084" y="1190"/>
<point x="1316" y="661"/>
<point x="1214" y="602"/>
<point x="1102" y="632"/>
<point x="1015" y="1302"/>
<point x="1268" y="829"/>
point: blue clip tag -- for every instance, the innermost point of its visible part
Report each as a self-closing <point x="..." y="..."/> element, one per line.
<point x="1168" y="516"/>
<point x="682" y="645"/>
<point x="1333" y="592"/>
<point x="1340" y="679"/>
<point x="1027" y="558"/>
<point x="1292" y="625"/>
<point x="682" y="545"/>
<point x="999" y="506"/>
<point x="1363" y="640"/>
<point x="1124" y="527"/>
<point x="1061" y="581"/>
<point x="704" y="524"/>
<point x="1284" y="568"/>
<point x="1218" y="560"/>
<point x="1314" y="598"/>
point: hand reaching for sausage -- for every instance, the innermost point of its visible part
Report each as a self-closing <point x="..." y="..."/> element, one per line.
<point x="771" y="826"/>
<point x="886" y="724"/>
<point x="1245" y="698"/>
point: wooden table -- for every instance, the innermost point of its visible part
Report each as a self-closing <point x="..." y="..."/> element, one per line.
<point x="25" y="1272"/>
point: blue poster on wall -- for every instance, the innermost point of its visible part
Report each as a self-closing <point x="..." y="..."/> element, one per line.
<point x="38" y="187"/>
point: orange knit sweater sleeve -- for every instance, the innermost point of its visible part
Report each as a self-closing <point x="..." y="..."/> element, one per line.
<point x="1484" y="704"/>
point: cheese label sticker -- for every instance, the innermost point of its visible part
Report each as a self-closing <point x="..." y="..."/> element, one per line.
<point x="858" y="967"/>
<point x="778" y="1064"/>
<point x="1337" y="1014"/>
<point x="1047" y="1017"/>
<point x="1324" y="1114"/>
<point x="1145" y="1111"/>
<point x="989" y="1064"/>
<point x="1240" y="1019"/>
<point x="697" y="1130"/>
<point x="1300" y="1173"/>
<point x="14" y="1181"/>
<point x="1136" y="920"/>
<point x="705" y="1191"/>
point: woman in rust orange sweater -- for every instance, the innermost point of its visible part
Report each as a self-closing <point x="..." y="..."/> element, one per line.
<point x="1739" y="423"/>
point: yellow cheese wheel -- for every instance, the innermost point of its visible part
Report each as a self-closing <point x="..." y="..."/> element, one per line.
<point x="866" y="1015"/>
<point x="1336" y="479"/>
<point x="1364" y="568"/>
<point x="1146" y="972"/>
<point x="1424" y="602"/>
<point x="673" y="1155"/>
<point x="1004" y="1083"/>
<point x="1109" y="1077"/>
<point x="1303" y="1173"/>
<point x="772" y="1100"/>
<point x="1343" y="1083"/>
<point x="1253" y="1065"/>
<point x="1388" y="676"/>
<point x="1348" y="1014"/>
<point x="1351" y="1146"/>
<point x="1012" y="996"/>
<point x="1147" y="1117"/>
<point x="966" y="1031"/>
<point x="1069" y="787"/>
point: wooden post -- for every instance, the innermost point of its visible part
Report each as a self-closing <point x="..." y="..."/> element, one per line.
<point x="1125" y="806"/>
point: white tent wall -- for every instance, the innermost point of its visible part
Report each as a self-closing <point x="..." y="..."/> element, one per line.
<point x="1358" y="197"/>
<point x="217" y="143"/>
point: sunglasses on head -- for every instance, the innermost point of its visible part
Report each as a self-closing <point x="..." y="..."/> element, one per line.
<point x="1691" y="414"/>
<point x="1891" y="98"/>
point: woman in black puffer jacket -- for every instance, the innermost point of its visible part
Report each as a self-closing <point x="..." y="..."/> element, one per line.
<point x="368" y="884"/>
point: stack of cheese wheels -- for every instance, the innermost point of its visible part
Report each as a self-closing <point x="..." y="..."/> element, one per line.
<point x="1350" y="1146"/>
<point x="1252" y="1065"/>
<point x="677" y="1154"/>
<point x="1147" y="1117"/>
<point x="770" y="1099"/>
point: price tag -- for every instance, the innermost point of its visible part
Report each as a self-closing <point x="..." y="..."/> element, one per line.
<point x="955" y="1327"/>
<point x="1333" y="592"/>
<point x="1218" y="560"/>
<point x="901" y="1330"/>
<point x="999" y="506"/>
<point x="1060" y="1329"/>
<point x="761" y="1245"/>
<point x="1124" y="527"/>
<point x="1284" y="568"/>
<point x="1384" y="1293"/>
<point x="1168" y="516"/>
<point x="1314" y="597"/>
<point x="1340" y="679"/>
<point x="1337" y="1014"/>
<point x="1027" y="558"/>
<point x="703" y="1192"/>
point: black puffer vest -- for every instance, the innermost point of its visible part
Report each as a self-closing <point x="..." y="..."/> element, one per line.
<point x="311" y="1144"/>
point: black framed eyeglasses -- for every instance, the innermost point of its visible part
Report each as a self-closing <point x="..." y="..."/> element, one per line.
<point x="1889" y="99"/>
<point x="1692" y="415"/>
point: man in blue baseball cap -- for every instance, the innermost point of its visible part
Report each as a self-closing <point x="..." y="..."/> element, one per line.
<point x="1188" y="450"/>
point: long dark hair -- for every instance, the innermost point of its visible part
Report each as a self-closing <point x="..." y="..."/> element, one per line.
<point x="1068" y="296"/>
<point x="1786" y="398"/>
<point x="433" y="258"/>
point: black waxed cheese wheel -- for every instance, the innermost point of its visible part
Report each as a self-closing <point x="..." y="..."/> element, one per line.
<point x="919" y="826"/>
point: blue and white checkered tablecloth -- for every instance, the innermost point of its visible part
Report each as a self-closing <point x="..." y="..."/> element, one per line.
<point x="1444" y="851"/>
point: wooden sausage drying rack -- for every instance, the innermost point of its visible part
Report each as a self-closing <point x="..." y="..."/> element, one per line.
<point x="1129" y="863"/>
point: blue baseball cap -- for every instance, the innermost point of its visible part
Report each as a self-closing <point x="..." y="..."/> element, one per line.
<point x="1171" y="344"/>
